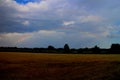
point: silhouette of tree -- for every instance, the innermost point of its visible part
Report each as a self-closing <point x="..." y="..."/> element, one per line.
<point x="115" y="49"/>
<point x="66" y="48"/>
<point x="115" y="46"/>
<point x="96" y="50"/>
<point x="50" y="47"/>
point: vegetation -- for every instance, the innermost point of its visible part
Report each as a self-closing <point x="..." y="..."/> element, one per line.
<point x="28" y="66"/>
<point x="67" y="64"/>
<point x="114" y="49"/>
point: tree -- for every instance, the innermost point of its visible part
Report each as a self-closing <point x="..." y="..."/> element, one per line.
<point x="66" y="48"/>
<point x="115" y="49"/>
<point x="50" y="47"/>
<point x="96" y="50"/>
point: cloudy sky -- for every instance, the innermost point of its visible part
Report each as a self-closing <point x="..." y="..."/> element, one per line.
<point x="39" y="23"/>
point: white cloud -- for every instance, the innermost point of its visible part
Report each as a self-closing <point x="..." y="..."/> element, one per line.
<point x="67" y="23"/>
<point x="30" y="7"/>
<point x="12" y="39"/>
<point x="48" y="32"/>
<point x="90" y="18"/>
<point x="43" y="38"/>
<point x="26" y="23"/>
<point x="44" y="14"/>
<point x="43" y="5"/>
<point x="21" y="8"/>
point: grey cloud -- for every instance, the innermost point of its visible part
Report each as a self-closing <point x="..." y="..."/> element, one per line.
<point x="52" y="14"/>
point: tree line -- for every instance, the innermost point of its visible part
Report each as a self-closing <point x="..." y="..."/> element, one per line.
<point x="114" y="49"/>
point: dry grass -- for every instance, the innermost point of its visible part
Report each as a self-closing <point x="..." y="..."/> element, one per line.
<point x="31" y="66"/>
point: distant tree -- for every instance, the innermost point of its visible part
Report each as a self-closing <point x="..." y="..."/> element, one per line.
<point x="73" y="50"/>
<point x="96" y="47"/>
<point x="96" y="50"/>
<point x="66" y="48"/>
<point x="115" y="49"/>
<point x="60" y="50"/>
<point x="50" y="47"/>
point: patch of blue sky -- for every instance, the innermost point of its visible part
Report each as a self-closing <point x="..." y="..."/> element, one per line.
<point x="25" y="1"/>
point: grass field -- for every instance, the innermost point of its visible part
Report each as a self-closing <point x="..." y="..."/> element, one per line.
<point x="34" y="66"/>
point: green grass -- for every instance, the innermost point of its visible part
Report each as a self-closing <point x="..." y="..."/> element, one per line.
<point x="44" y="66"/>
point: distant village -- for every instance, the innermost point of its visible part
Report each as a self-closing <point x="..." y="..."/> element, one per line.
<point x="114" y="49"/>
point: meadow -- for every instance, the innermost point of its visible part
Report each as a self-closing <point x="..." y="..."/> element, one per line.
<point x="48" y="66"/>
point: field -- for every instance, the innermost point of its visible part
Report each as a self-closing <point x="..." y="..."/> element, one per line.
<point x="35" y="66"/>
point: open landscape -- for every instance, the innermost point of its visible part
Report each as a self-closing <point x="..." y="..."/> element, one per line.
<point x="59" y="40"/>
<point x="48" y="66"/>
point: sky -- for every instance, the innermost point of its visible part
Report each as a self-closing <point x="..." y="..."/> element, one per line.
<point x="79" y="23"/>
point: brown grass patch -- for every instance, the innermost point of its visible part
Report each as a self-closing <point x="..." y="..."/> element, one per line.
<point x="26" y="66"/>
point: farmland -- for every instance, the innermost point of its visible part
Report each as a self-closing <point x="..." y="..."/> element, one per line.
<point x="48" y="66"/>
